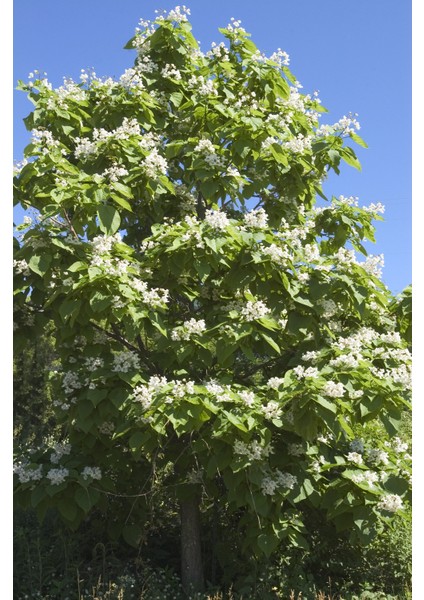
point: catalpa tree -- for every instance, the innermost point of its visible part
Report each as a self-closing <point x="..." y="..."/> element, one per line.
<point x="217" y="332"/>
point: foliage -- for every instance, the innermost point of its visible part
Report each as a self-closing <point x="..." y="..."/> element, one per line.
<point x="214" y="327"/>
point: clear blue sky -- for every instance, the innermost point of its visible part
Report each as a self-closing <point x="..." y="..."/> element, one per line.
<point x="357" y="54"/>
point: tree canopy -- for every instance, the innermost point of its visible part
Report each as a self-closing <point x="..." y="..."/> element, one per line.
<point x="220" y="332"/>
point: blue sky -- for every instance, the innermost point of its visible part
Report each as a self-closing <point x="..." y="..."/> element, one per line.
<point x="357" y="54"/>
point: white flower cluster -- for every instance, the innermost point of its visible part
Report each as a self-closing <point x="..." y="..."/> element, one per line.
<point x="375" y="208"/>
<point x="204" y="87"/>
<point x="44" y="137"/>
<point x="348" y="361"/>
<point x="333" y="390"/>
<point x="369" y="477"/>
<point x="26" y="473"/>
<point x="272" y="410"/>
<point x="299" y="144"/>
<point x="302" y="373"/>
<point x="145" y="393"/>
<point x="253" y="451"/>
<point x="216" y="219"/>
<point x="219" y="51"/>
<point x="155" y="297"/>
<point x="377" y="456"/>
<point x="71" y="382"/>
<point x="131" y="80"/>
<point x="102" y="244"/>
<point x="373" y="265"/>
<point x="270" y="483"/>
<point x="177" y="14"/>
<point x="276" y="253"/>
<point x="21" y="267"/>
<point x="355" y="457"/>
<point x="114" y="173"/>
<point x="171" y="72"/>
<point x="234" y="26"/>
<point x="125" y="361"/>
<point x="390" y="503"/>
<point x="256" y="218"/>
<point x="57" y="476"/>
<point x="154" y="164"/>
<point x="92" y="363"/>
<point x="247" y="397"/>
<point x="275" y="382"/>
<point x="254" y="310"/>
<point x="345" y="126"/>
<point x="60" y="449"/>
<point x="91" y="472"/>
<point x="188" y="329"/>
<point x="280" y="57"/>
<point x="310" y="356"/>
<point x="220" y="393"/>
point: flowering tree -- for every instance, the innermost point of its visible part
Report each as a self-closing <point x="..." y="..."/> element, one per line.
<point x="217" y="332"/>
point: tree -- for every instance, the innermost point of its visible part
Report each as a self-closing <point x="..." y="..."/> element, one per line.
<point x="218" y="335"/>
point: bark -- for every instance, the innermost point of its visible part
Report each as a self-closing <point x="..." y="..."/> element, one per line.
<point x="191" y="551"/>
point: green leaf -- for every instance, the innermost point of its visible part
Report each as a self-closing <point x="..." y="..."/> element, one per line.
<point x="271" y="342"/>
<point x="69" y="308"/>
<point x="132" y="534"/>
<point x="82" y="498"/>
<point x="235" y="420"/>
<point x="122" y="202"/>
<point x="109" y="219"/>
<point x="67" y="509"/>
<point x="122" y="189"/>
<point x="40" y="264"/>
<point x="268" y="543"/>
<point x="356" y="138"/>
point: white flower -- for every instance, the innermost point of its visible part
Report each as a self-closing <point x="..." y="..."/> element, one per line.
<point x="355" y="457"/>
<point x="275" y="382"/>
<point x="391" y="503"/>
<point x="256" y="218"/>
<point x="216" y="219"/>
<point x="57" y="476"/>
<point x="378" y="456"/>
<point x="254" y="310"/>
<point x="188" y="329"/>
<point x="333" y="390"/>
<point x="93" y="472"/>
<point x="154" y="164"/>
<point x="125" y="361"/>
<point x="247" y="397"/>
<point x="302" y="373"/>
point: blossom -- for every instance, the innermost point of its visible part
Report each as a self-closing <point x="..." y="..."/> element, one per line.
<point x="256" y="218"/>
<point x="125" y="361"/>
<point x="333" y="390"/>
<point x="254" y="451"/>
<point x="154" y="164"/>
<point x="254" y="310"/>
<point x="390" y="503"/>
<point x="91" y="472"/>
<point x="57" y="476"/>
<point x="188" y="329"/>
<point x="247" y="397"/>
<point x="216" y="219"/>
<point x="355" y="457"/>
<point x="275" y="382"/>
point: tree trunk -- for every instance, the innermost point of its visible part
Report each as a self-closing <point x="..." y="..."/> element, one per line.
<point x="191" y="551"/>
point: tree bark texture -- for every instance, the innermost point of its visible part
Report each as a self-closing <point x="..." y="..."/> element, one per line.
<point x="191" y="551"/>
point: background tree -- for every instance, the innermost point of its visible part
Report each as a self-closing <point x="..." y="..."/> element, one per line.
<point x="219" y="338"/>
